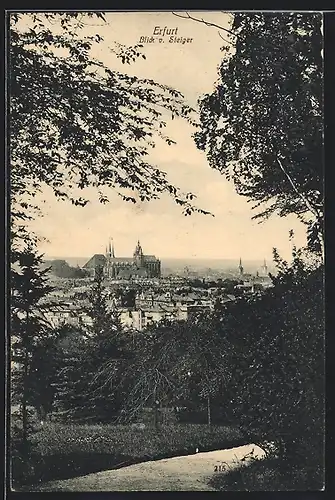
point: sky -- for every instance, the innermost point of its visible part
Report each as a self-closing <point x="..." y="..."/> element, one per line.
<point x="191" y="68"/>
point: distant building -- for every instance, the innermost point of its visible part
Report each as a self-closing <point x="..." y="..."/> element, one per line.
<point x="70" y="314"/>
<point x="264" y="269"/>
<point x="145" y="316"/>
<point x="152" y="314"/>
<point x="240" y="268"/>
<point x="137" y="266"/>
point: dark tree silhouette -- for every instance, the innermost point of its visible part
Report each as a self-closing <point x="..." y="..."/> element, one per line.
<point x="28" y="325"/>
<point x="76" y="123"/>
<point x="262" y="127"/>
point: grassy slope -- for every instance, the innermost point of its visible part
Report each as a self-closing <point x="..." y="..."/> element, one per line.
<point x="64" y="451"/>
<point x="128" y="440"/>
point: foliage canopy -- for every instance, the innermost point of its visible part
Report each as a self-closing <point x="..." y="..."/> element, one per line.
<point x="262" y="126"/>
<point x="77" y="123"/>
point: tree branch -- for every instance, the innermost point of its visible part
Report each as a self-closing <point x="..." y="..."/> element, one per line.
<point x="224" y="39"/>
<point x="302" y="196"/>
<point x="207" y="23"/>
<point x="315" y="212"/>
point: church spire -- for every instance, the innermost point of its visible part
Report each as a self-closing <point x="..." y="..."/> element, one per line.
<point x="240" y="267"/>
<point x="265" y="267"/>
<point x="113" y="252"/>
<point x="138" y="249"/>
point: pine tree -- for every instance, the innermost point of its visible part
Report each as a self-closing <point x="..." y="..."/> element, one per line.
<point x="109" y="353"/>
<point x="28" y="326"/>
<point x="72" y="380"/>
<point x="94" y="359"/>
<point x="47" y="361"/>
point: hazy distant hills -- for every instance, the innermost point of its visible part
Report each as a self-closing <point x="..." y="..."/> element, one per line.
<point x="192" y="264"/>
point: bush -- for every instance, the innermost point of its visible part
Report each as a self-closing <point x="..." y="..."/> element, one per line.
<point x="268" y="475"/>
<point x="277" y="385"/>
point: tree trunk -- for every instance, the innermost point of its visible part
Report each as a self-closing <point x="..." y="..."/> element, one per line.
<point x="156" y="417"/>
<point x="156" y="409"/>
<point x="24" y="401"/>
<point x="42" y="412"/>
<point x="162" y="413"/>
<point x="209" y="416"/>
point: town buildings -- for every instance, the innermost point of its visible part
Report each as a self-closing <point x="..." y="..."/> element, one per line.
<point x="150" y="299"/>
<point x="139" y="265"/>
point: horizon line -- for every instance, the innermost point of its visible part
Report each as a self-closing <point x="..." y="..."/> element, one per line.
<point x="55" y="257"/>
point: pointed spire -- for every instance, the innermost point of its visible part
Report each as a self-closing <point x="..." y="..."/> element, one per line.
<point x="240" y="266"/>
<point x="113" y="252"/>
<point x="138" y="247"/>
<point x="265" y="267"/>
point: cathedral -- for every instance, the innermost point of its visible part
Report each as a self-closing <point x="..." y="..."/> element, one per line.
<point x="137" y="266"/>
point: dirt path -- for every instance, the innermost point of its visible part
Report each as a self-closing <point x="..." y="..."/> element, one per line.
<point x="187" y="473"/>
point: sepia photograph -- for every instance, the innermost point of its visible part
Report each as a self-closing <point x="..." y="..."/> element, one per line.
<point x="166" y="250"/>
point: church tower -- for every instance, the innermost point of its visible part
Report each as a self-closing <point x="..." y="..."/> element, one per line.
<point x="138" y="255"/>
<point x="110" y="254"/>
<point x="240" y="268"/>
<point x="265" y="268"/>
<point x="112" y="250"/>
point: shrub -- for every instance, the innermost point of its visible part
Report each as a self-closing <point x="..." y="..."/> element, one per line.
<point x="277" y="384"/>
<point x="267" y="475"/>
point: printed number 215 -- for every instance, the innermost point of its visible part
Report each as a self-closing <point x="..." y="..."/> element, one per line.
<point x="219" y="468"/>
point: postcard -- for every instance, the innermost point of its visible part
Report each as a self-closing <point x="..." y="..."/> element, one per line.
<point x="166" y="245"/>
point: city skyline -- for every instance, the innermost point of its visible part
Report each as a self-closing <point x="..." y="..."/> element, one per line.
<point x="111" y="247"/>
<point x="215" y="263"/>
